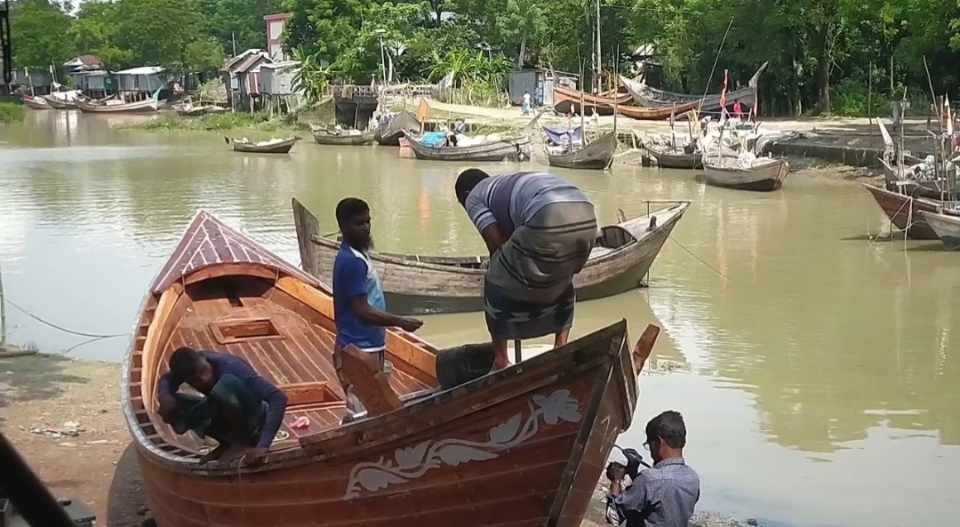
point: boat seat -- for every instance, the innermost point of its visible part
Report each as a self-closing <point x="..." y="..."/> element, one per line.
<point x="370" y="386"/>
<point x="614" y="237"/>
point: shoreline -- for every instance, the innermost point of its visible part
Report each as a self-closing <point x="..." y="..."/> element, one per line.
<point x="63" y="416"/>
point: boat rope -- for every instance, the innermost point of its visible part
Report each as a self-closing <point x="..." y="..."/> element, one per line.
<point x="40" y="319"/>
<point x="701" y="260"/>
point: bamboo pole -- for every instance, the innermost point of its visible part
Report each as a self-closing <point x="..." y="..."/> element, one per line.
<point x="3" y="314"/>
<point x="870" y="94"/>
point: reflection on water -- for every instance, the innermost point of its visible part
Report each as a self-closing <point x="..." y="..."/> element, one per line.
<point x="817" y="370"/>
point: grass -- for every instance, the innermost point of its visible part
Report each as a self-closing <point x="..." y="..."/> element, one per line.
<point x="215" y="123"/>
<point x="10" y="112"/>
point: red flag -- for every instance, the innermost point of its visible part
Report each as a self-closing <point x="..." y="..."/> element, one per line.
<point x="723" y="93"/>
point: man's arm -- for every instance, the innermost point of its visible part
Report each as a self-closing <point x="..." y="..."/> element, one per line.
<point x="373" y="316"/>
<point x="493" y="237"/>
<point x="277" y="402"/>
<point x="166" y="389"/>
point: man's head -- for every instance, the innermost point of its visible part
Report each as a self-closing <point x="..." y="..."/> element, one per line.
<point x="468" y="179"/>
<point x="353" y="217"/>
<point x="190" y="366"/>
<point x="666" y="435"/>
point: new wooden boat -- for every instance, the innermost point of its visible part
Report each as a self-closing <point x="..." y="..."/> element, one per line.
<point x="764" y="174"/>
<point x="273" y="146"/>
<point x="655" y="114"/>
<point x="117" y="106"/>
<point x="904" y="211"/>
<point x="646" y="96"/>
<point x="62" y="100"/>
<point x="391" y="130"/>
<point x="670" y="158"/>
<point x="416" y="284"/>
<point x="323" y="136"/>
<point x="521" y="446"/>
<point x="36" y="103"/>
<point x="946" y="226"/>
<point x="595" y="155"/>
<point x="511" y="149"/>
<point x="567" y="100"/>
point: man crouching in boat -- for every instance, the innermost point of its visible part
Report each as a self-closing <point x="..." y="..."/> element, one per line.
<point x="239" y="408"/>
<point x="358" y="303"/>
<point x="539" y="230"/>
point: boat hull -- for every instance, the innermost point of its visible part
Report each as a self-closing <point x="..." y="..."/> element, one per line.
<point x="279" y="148"/>
<point x="144" y="106"/>
<point x="676" y="160"/>
<point x="653" y="98"/>
<point x="392" y="131"/>
<point x="36" y="103"/>
<point x="510" y="150"/>
<point x="765" y="178"/>
<point x="946" y="227"/>
<point x="597" y="155"/>
<point x="902" y="209"/>
<point x="322" y="138"/>
<point x="431" y="284"/>
<point x="60" y="104"/>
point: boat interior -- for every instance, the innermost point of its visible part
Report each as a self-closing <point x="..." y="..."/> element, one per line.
<point x="281" y="326"/>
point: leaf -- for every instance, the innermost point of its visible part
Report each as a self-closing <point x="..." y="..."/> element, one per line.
<point x="505" y="432"/>
<point x="454" y="455"/>
<point x="375" y="478"/>
<point x="411" y="457"/>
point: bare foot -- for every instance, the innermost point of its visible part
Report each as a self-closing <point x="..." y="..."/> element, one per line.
<point x="213" y="455"/>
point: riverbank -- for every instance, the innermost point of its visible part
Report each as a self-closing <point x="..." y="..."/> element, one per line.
<point x="64" y="418"/>
<point x="11" y="112"/>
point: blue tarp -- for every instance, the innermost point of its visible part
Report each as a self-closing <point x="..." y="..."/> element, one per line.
<point x="559" y="137"/>
<point x="433" y="138"/>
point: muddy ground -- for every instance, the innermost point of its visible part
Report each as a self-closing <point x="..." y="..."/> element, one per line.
<point x="64" y="417"/>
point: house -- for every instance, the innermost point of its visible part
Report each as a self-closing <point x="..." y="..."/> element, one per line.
<point x="32" y="81"/>
<point x="137" y="84"/>
<point x="647" y="66"/>
<point x="95" y="83"/>
<point x="276" y="78"/>
<point x="242" y="78"/>
<point x="276" y="23"/>
<point x="82" y="63"/>
<point x="539" y="83"/>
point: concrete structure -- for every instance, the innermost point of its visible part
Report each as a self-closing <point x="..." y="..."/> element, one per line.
<point x="540" y="84"/>
<point x="276" y="23"/>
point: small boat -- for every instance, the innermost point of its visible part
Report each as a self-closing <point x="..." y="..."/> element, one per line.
<point x="273" y="146"/>
<point x="114" y="105"/>
<point x="567" y="100"/>
<point x="931" y="188"/>
<point x="646" y="96"/>
<point x="596" y="155"/>
<point x="37" y="103"/>
<point x="668" y="157"/>
<point x="328" y="136"/>
<point x="763" y="174"/>
<point x="416" y="284"/>
<point x="511" y="149"/>
<point x="946" y="226"/>
<point x="522" y="445"/>
<point x="66" y="100"/>
<point x="904" y="211"/>
<point x="390" y="130"/>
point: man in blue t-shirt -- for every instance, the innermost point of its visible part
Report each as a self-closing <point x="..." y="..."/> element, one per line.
<point x="358" y="303"/>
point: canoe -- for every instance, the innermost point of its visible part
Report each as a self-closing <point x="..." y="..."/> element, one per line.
<point x="277" y="146"/>
<point x="416" y="284"/>
<point x="389" y="132"/>
<point x="596" y="155"/>
<point x="668" y="158"/>
<point x="655" y="114"/>
<point x="764" y="175"/>
<point x="66" y="102"/>
<point x="524" y="445"/>
<point x="328" y="137"/>
<point x="567" y="100"/>
<point x="512" y="149"/>
<point x="644" y="95"/>
<point x="904" y="211"/>
<point x="114" y="106"/>
<point x="37" y="103"/>
<point x="946" y="226"/>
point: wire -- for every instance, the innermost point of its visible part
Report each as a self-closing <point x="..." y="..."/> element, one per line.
<point x="701" y="260"/>
<point x="61" y="328"/>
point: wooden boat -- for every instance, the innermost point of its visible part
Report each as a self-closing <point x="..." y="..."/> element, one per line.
<point x="646" y="96"/>
<point x="904" y="211"/>
<point x="946" y="226"/>
<point x="567" y="100"/>
<point x="117" y="106"/>
<point x="669" y="158"/>
<point x="391" y="130"/>
<point x="765" y="174"/>
<point x="273" y="146"/>
<point x="655" y="114"/>
<point x="511" y="149"/>
<point x="416" y="284"/>
<point x="62" y="100"/>
<point x="324" y="136"/>
<point x="596" y="155"/>
<point x="36" y="103"/>
<point x="522" y="446"/>
<point x="931" y="189"/>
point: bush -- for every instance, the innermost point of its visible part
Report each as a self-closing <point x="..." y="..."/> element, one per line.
<point x="10" y="112"/>
<point x="214" y="122"/>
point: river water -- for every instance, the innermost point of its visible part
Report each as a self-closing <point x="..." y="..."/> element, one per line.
<point x="818" y="371"/>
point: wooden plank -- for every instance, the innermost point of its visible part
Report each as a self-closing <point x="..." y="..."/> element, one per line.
<point x="151" y="349"/>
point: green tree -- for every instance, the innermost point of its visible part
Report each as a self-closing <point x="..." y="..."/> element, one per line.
<point x="238" y="21"/>
<point x="94" y="32"/>
<point x="203" y="55"/>
<point x="39" y="32"/>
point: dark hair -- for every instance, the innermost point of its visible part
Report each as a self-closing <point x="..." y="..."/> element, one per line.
<point x="669" y="427"/>
<point x="466" y="181"/>
<point x="350" y="207"/>
<point x="183" y="362"/>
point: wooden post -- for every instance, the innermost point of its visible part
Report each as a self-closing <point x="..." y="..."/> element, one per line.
<point x="3" y="315"/>
<point x="870" y="94"/>
<point x="517" y="353"/>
